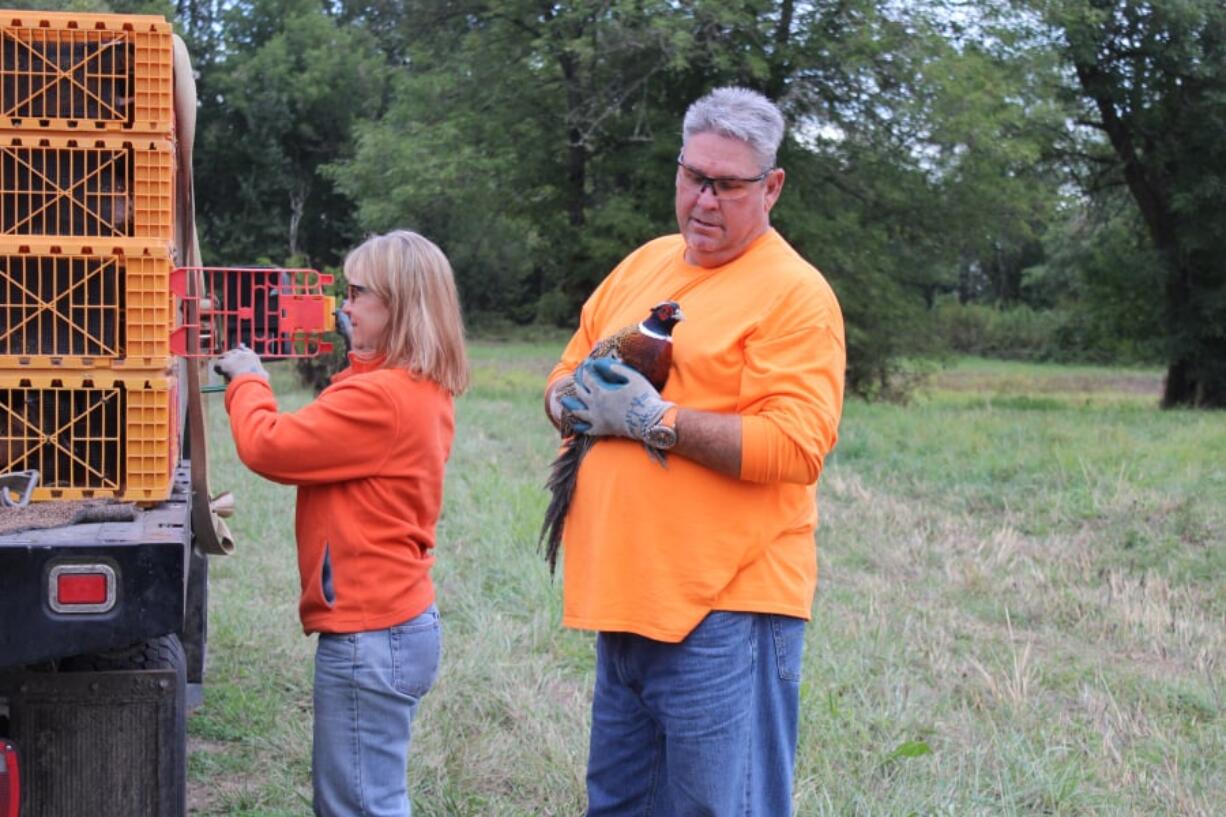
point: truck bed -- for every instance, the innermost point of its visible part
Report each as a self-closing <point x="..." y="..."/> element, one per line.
<point x="161" y="523"/>
<point x="150" y="555"/>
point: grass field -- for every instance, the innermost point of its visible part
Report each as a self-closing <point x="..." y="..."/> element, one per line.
<point x="1022" y="611"/>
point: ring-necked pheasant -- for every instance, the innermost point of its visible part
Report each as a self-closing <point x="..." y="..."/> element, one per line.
<point x="646" y="347"/>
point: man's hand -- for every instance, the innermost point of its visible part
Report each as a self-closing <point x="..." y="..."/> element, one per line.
<point x="239" y="360"/>
<point x="557" y="413"/>
<point x="614" y="400"/>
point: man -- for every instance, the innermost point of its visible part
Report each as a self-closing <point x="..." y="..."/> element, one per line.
<point x="698" y="577"/>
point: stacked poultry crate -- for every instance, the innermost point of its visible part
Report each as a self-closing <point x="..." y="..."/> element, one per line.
<point x="88" y="397"/>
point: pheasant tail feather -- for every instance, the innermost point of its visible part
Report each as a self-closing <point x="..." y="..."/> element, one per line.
<point x="563" y="474"/>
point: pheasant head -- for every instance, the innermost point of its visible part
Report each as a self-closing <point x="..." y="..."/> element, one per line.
<point x="663" y="317"/>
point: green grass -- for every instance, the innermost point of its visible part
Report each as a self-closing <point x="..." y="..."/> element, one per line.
<point x="1022" y="611"/>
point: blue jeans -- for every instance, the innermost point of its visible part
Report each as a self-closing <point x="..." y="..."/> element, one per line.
<point x="367" y="687"/>
<point x="705" y="727"/>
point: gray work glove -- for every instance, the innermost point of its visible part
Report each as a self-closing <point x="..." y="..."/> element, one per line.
<point x="239" y="360"/>
<point x="613" y="400"/>
<point x="344" y="328"/>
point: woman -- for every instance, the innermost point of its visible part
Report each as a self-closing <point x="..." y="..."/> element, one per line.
<point x="368" y="458"/>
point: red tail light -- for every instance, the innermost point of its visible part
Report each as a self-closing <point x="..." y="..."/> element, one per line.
<point x="86" y="588"/>
<point x="10" y="780"/>
<point x="81" y="588"/>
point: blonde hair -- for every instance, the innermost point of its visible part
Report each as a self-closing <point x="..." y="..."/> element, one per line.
<point x="425" y="333"/>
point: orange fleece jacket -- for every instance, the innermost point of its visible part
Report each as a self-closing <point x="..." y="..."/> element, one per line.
<point x="652" y="550"/>
<point x="368" y="457"/>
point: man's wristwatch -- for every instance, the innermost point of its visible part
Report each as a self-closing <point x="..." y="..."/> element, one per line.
<point x="663" y="435"/>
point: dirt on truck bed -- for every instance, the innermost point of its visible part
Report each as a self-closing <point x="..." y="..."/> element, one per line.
<point x="57" y="514"/>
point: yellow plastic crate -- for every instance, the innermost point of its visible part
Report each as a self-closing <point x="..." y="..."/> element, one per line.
<point x="67" y="71"/>
<point x="110" y="187"/>
<point x="72" y="305"/>
<point x="91" y="436"/>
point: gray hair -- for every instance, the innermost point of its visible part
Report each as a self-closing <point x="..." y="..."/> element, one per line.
<point x="741" y="114"/>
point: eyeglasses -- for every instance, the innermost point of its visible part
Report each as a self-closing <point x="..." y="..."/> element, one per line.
<point x="353" y="291"/>
<point x="729" y="188"/>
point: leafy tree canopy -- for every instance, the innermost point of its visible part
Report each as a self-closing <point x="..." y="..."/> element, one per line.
<point x="1001" y="151"/>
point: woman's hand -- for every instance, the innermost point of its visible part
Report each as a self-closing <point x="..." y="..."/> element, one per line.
<point x="239" y="360"/>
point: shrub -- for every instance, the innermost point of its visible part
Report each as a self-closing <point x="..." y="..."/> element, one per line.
<point x="555" y="309"/>
<point x="1059" y="334"/>
<point x="1016" y="333"/>
<point x="316" y="372"/>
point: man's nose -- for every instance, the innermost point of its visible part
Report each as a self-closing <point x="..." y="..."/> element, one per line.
<point x="708" y="189"/>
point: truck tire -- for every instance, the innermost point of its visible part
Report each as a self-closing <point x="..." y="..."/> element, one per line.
<point x="163" y="652"/>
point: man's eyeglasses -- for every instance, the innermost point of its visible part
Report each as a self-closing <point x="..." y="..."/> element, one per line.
<point x="353" y="291"/>
<point x="729" y="188"/>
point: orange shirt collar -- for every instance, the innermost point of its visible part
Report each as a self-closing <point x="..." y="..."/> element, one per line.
<point x="360" y="364"/>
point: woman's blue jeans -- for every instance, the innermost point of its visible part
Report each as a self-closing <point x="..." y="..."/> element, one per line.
<point x="367" y="688"/>
<point x="705" y="727"/>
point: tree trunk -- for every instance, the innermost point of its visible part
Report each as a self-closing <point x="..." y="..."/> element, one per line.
<point x="1196" y="373"/>
<point x="576" y="151"/>
<point x="297" y="206"/>
<point x="781" y="67"/>
<point x="575" y="261"/>
<point x="1187" y="388"/>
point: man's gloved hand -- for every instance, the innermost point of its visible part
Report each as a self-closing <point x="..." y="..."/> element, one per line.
<point x="613" y="399"/>
<point x="558" y="414"/>
<point x="239" y="360"/>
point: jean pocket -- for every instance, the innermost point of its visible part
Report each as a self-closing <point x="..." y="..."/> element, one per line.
<point x="337" y="648"/>
<point x="788" y="635"/>
<point x="416" y="650"/>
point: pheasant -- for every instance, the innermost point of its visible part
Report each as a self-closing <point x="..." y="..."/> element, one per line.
<point x="646" y="347"/>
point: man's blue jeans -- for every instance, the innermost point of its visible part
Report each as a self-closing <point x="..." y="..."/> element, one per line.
<point x="367" y="687"/>
<point x="705" y="727"/>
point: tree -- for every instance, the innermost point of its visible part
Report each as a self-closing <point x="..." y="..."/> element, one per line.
<point x="278" y="101"/>
<point x="1151" y="82"/>
<point x="523" y="133"/>
<point x="1099" y="274"/>
<point x="536" y="143"/>
<point x="920" y="171"/>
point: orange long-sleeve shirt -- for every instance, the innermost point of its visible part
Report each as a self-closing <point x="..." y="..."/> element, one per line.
<point x="652" y="550"/>
<point x="368" y="457"/>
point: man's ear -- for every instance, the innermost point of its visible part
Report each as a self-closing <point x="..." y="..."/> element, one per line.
<point x="774" y="186"/>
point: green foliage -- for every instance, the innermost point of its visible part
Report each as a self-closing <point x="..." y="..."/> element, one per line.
<point x="992" y="118"/>
<point x="278" y="102"/>
<point x="1151" y="82"/>
<point x="1105" y="275"/>
<point x="1018" y="333"/>
<point x="316" y="372"/>
<point x="421" y="168"/>
<point x="538" y="149"/>
<point x="929" y="151"/>
<point x="521" y="142"/>
<point x="910" y="748"/>
<point x="555" y="309"/>
<point x="163" y="8"/>
<point x="1059" y="334"/>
